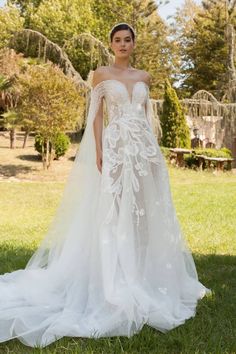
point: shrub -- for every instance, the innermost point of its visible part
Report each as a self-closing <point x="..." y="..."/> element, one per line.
<point x="192" y="161"/>
<point x="165" y="151"/>
<point x="173" y="122"/>
<point x="223" y="152"/>
<point x="60" y="144"/>
<point x="38" y="142"/>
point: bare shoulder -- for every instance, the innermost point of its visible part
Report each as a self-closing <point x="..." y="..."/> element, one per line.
<point x="145" y="76"/>
<point x="99" y="75"/>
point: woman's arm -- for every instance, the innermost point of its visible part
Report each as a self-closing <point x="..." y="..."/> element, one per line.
<point x="98" y="122"/>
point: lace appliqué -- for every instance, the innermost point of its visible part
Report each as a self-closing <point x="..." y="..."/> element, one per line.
<point x="129" y="146"/>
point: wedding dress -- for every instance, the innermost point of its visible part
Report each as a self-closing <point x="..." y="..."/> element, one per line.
<point x="114" y="257"/>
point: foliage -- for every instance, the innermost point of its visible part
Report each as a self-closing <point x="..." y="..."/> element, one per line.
<point x="227" y="151"/>
<point x="224" y="152"/>
<point x="192" y="161"/>
<point x="59" y="144"/>
<point x="87" y="52"/>
<point x="108" y="13"/>
<point x="25" y="7"/>
<point x="10" y="21"/>
<point x="166" y="152"/>
<point x="59" y="20"/>
<point x="203" y="49"/>
<point x="11" y="65"/>
<point x="174" y="127"/>
<point x="38" y="142"/>
<point x="51" y="101"/>
<point x="153" y="33"/>
<point x="10" y="119"/>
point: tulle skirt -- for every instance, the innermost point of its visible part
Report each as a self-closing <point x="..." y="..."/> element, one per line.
<point x="114" y="258"/>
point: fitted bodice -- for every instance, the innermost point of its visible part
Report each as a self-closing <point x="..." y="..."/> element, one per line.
<point x="118" y="100"/>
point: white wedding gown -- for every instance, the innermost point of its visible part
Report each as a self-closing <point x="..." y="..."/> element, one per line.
<point x="114" y="257"/>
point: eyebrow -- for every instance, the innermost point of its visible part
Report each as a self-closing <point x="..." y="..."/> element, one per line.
<point x="129" y="36"/>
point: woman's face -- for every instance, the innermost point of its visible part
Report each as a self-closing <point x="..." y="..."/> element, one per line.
<point x="122" y="44"/>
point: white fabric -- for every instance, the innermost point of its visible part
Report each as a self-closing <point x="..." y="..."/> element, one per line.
<point x="114" y="257"/>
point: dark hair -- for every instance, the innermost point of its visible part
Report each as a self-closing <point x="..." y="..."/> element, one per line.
<point x="119" y="27"/>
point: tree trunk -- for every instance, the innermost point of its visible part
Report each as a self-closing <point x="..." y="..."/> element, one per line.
<point x="47" y="154"/>
<point x="43" y="156"/>
<point x="12" y="138"/>
<point x="25" y="138"/>
<point x="230" y="38"/>
<point x="230" y="35"/>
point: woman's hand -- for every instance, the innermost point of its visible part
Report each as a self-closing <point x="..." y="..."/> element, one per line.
<point x="99" y="161"/>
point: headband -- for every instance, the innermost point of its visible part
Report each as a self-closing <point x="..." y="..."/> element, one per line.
<point x="122" y="23"/>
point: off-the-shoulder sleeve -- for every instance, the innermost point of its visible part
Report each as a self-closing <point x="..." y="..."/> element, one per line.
<point x="96" y="95"/>
<point x="153" y="117"/>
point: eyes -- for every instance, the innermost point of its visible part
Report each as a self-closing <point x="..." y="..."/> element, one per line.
<point x="126" y="40"/>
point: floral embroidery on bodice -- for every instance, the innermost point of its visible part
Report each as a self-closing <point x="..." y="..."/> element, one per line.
<point x="129" y="145"/>
<point x="118" y="99"/>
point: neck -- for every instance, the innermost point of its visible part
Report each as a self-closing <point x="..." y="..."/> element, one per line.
<point x="122" y="63"/>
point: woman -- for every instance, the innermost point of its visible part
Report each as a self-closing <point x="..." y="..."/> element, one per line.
<point x="114" y="257"/>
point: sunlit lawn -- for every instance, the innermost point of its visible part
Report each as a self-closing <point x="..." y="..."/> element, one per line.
<point x="206" y="207"/>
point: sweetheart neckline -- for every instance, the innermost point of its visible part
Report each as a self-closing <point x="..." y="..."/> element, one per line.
<point x="124" y="85"/>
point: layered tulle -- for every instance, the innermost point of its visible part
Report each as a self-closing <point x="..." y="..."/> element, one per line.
<point x="114" y="257"/>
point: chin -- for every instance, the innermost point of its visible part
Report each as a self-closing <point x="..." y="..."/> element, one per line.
<point x="122" y="55"/>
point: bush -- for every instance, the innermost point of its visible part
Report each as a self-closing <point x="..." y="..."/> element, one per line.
<point x="223" y="152"/>
<point x="192" y="161"/>
<point x="165" y="151"/>
<point x="173" y="122"/>
<point x="38" y="142"/>
<point x="59" y="144"/>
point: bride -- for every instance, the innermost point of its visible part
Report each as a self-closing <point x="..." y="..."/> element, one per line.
<point x="114" y="257"/>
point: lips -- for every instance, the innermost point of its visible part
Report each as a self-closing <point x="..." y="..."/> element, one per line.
<point x="123" y="50"/>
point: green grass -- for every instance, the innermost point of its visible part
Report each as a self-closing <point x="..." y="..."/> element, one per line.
<point x="206" y="207"/>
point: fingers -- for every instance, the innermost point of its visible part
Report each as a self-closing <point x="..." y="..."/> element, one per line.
<point x="99" y="165"/>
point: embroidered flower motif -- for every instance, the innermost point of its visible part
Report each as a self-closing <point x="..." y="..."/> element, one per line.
<point x="163" y="290"/>
<point x="141" y="212"/>
<point x="129" y="147"/>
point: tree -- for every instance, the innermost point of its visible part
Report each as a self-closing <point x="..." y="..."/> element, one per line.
<point x="173" y="122"/>
<point x="204" y="49"/>
<point x="11" y="64"/>
<point x="181" y="29"/>
<point x="10" y="22"/>
<point x="59" y="20"/>
<point x="230" y="10"/>
<point x="51" y="101"/>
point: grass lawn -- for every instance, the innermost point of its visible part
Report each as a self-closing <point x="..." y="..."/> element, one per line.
<point x="206" y="207"/>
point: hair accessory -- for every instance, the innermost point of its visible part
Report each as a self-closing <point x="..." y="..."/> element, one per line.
<point x="122" y="23"/>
